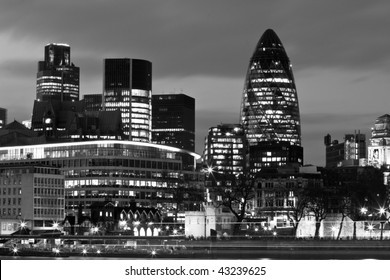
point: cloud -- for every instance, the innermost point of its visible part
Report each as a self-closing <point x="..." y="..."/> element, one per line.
<point x="217" y="38"/>
<point x="339" y="52"/>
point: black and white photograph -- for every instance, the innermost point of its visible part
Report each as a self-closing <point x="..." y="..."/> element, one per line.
<point x="191" y="138"/>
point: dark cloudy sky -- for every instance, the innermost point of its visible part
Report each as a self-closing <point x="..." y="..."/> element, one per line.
<point x="340" y="51"/>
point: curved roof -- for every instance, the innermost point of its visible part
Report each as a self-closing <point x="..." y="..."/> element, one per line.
<point x="270" y="39"/>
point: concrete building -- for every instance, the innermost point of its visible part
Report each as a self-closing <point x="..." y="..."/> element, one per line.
<point x="278" y="193"/>
<point x="202" y="223"/>
<point x="33" y="194"/>
<point x="124" y="172"/>
<point x="350" y="152"/>
<point x="331" y="225"/>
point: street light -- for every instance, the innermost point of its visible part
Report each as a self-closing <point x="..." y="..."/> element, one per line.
<point x="363" y="210"/>
<point x="55" y="225"/>
<point x="95" y="230"/>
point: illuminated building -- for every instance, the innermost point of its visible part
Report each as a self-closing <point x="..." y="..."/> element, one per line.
<point x="93" y="102"/>
<point x="173" y="120"/>
<point x="57" y="77"/>
<point x="350" y="152"/>
<point x="124" y="172"/>
<point x="30" y="193"/>
<point x="3" y="117"/>
<point x="274" y="155"/>
<point x="379" y="146"/>
<point x="225" y="149"/>
<point x="127" y="86"/>
<point x="278" y="193"/>
<point x="269" y="109"/>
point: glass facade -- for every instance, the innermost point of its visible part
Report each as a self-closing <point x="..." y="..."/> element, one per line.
<point x="57" y="77"/>
<point x="225" y="149"/>
<point x="173" y="120"/>
<point x="147" y="174"/>
<point x="269" y="109"/>
<point x="128" y="88"/>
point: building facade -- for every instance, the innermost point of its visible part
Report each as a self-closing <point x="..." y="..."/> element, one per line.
<point x="57" y="77"/>
<point x="225" y="149"/>
<point x="127" y="86"/>
<point x="269" y="108"/>
<point x="378" y="151"/>
<point x="350" y="152"/>
<point x="93" y="102"/>
<point x="273" y="155"/>
<point x="173" y="120"/>
<point x="33" y="194"/>
<point x="124" y="172"/>
<point x="277" y="194"/>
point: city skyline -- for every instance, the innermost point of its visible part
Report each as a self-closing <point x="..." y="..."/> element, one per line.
<point x="338" y="52"/>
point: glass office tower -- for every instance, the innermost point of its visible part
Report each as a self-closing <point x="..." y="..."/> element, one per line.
<point x="127" y="87"/>
<point x="173" y="121"/>
<point x="57" y="77"/>
<point x="269" y="108"/>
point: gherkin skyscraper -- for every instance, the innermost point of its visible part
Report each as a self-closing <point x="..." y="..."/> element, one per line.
<point x="269" y="108"/>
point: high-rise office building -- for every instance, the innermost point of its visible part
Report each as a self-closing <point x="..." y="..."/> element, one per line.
<point x="127" y="86"/>
<point x="173" y="120"/>
<point x="225" y="147"/>
<point x="3" y="117"/>
<point x="269" y="108"/>
<point x="57" y="78"/>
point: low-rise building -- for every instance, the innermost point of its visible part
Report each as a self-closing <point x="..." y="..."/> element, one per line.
<point x="32" y="196"/>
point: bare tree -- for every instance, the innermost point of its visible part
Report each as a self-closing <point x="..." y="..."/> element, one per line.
<point x="235" y="192"/>
<point x="317" y="205"/>
<point x="298" y="210"/>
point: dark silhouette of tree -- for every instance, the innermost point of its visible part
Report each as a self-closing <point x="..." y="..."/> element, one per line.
<point x="235" y="193"/>
<point x="355" y="188"/>
<point x="317" y="205"/>
<point x="298" y="210"/>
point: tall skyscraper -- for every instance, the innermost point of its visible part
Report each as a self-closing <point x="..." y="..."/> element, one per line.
<point x="127" y="86"/>
<point x="269" y="108"/>
<point x="173" y="120"/>
<point x="57" y="78"/>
